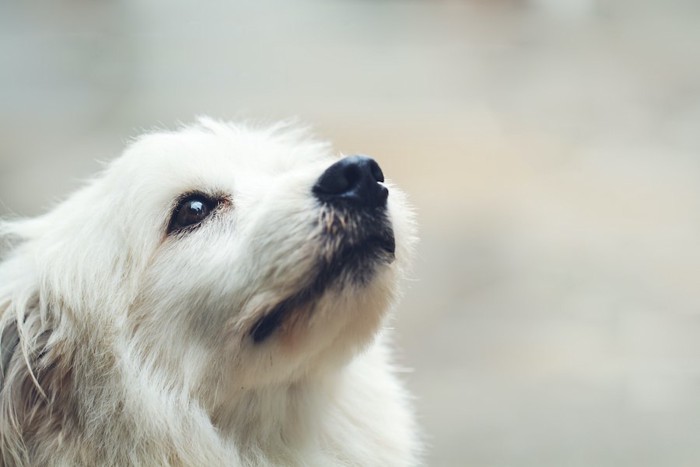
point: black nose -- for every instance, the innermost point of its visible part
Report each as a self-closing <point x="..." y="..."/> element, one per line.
<point x="354" y="180"/>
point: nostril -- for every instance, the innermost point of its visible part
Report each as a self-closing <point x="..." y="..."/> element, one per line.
<point x="355" y="180"/>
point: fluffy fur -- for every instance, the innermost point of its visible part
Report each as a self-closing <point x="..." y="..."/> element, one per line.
<point x="122" y="344"/>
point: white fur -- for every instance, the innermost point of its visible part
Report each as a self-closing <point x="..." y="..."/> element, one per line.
<point x="133" y="347"/>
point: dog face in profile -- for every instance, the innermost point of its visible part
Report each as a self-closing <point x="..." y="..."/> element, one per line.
<point x="213" y="298"/>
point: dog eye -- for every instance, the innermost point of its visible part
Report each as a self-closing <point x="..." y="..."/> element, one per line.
<point x="191" y="211"/>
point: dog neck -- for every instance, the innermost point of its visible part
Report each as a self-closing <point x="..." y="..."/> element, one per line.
<point x="275" y="417"/>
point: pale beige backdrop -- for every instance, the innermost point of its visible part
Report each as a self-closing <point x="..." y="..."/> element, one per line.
<point x="551" y="148"/>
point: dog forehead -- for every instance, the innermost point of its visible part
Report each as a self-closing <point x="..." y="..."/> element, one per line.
<point x="219" y="153"/>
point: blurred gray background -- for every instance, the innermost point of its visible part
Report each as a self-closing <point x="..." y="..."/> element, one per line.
<point x="551" y="148"/>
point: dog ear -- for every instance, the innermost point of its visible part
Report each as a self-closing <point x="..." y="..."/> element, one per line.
<point x="34" y="377"/>
<point x="9" y="339"/>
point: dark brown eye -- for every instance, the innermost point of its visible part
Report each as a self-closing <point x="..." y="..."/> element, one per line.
<point x="191" y="211"/>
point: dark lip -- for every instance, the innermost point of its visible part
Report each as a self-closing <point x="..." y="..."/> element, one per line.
<point x="266" y="325"/>
<point x="384" y="242"/>
<point x="372" y="249"/>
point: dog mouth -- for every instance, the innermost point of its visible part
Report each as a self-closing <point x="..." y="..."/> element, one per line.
<point x="351" y="248"/>
<point x="379" y="248"/>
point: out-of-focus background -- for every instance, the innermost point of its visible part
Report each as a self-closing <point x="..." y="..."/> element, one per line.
<point x="551" y="148"/>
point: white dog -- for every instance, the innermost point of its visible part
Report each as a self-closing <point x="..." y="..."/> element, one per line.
<point x="216" y="297"/>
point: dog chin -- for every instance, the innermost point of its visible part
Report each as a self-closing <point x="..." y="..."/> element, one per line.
<point x="352" y="248"/>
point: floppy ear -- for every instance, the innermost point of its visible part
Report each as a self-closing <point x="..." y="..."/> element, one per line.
<point x="34" y="374"/>
<point x="34" y="382"/>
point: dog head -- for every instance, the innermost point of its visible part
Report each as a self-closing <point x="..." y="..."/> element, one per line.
<point x="234" y="256"/>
